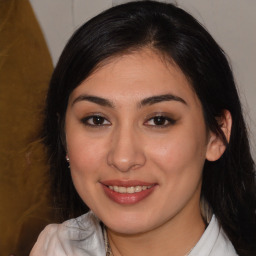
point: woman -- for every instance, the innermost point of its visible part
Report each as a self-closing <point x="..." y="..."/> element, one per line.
<point x="144" y="128"/>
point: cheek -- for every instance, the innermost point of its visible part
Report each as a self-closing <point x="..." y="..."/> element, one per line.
<point x="86" y="160"/>
<point x="181" y="153"/>
<point x="179" y="160"/>
<point x="86" y="155"/>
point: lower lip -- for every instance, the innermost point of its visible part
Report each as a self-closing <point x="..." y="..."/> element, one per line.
<point x="127" y="198"/>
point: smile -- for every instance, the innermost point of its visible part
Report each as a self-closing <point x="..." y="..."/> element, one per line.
<point x="129" y="190"/>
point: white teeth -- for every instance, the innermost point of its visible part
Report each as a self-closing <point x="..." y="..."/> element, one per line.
<point x="122" y="190"/>
<point x="138" y="188"/>
<point x="129" y="190"/>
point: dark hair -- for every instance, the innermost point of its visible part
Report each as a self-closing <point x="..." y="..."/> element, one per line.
<point x="228" y="183"/>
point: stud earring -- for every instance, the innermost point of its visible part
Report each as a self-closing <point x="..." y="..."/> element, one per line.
<point x="67" y="159"/>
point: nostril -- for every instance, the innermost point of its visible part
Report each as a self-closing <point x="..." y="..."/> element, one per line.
<point x="125" y="166"/>
<point x="125" y="154"/>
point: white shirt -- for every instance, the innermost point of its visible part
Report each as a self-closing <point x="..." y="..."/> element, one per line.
<point x="83" y="237"/>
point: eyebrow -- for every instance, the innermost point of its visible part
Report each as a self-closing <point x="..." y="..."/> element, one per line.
<point x="98" y="100"/>
<point x="147" y="101"/>
<point x="159" y="98"/>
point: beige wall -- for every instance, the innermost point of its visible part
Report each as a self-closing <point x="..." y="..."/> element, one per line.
<point x="231" y="22"/>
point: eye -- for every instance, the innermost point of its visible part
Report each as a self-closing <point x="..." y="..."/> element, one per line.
<point x="161" y="121"/>
<point x="95" y="120"/>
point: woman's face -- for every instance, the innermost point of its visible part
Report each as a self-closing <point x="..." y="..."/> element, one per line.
<point x="137" y="143"/>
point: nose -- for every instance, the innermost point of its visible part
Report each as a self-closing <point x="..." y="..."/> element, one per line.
<point x="126" y="151"/>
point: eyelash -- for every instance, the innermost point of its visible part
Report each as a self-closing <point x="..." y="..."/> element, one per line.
<point x="161" y="118"/>
<point x="167" y="121"/>
<point x="86" y="120"/>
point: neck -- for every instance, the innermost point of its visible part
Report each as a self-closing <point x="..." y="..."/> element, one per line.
<point x="175" y="237"/>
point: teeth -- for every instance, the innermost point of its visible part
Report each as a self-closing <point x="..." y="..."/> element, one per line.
<point x="129" y="190"/>
<point x="122" y="190"/>
<point x="138" y="188"/>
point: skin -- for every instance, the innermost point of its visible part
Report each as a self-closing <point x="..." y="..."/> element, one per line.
<point x="128" y="144"/>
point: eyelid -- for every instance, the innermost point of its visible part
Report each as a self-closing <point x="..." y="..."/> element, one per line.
<point x="166" y="116"/>
<point x="85" y="119"/>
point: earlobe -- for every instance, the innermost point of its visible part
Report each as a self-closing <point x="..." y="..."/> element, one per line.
<point x="216" y="146"/>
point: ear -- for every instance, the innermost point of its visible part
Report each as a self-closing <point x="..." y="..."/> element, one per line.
<point x="216" y="145"/>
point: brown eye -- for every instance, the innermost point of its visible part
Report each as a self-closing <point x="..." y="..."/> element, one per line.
<point x="95" y="120"/>
<point x="161" y="121"/>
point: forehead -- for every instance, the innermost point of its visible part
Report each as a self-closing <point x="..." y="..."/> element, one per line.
<point x="134" y="76"/>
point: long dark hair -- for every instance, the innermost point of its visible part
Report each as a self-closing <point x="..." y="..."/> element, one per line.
<point x="228" y="183"/>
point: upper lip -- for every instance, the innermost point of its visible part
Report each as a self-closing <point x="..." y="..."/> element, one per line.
<point x="126" y="183"/>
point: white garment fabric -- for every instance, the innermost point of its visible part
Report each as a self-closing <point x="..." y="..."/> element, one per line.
<point x="83" y="237"/>
<point x="213" y="242"/>
<point x="76" y="237"/>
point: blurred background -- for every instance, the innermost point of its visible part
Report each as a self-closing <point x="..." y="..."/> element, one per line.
<point x="32" y="36"/>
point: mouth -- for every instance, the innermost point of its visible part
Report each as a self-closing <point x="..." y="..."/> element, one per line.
<point x="127" y="192"/>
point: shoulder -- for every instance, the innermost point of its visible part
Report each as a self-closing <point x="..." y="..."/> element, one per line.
<point x="80" y="236"/>
<point x="223" y="245"/>
<point x="214" y="242"/>
<point x="46" y="240"/>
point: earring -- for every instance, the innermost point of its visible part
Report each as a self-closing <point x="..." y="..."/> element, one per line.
<point x="67" y="159"/>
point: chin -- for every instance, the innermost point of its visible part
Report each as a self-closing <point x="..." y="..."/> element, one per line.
<point x="129" y="223"/>
<point x="128" y="228"/>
